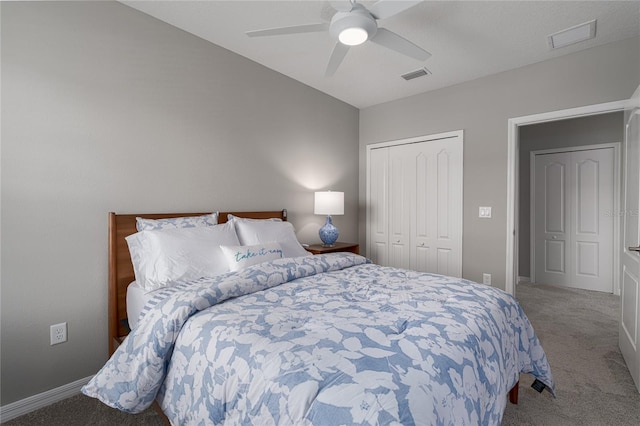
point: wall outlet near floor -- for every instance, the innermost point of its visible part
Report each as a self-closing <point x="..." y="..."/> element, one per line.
<point x="486" y="279"/>
<point x="58" y="333"/>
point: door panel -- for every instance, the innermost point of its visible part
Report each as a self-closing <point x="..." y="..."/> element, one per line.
<point x="550" y="218"/>
<point x="423" y="259"/>
<point x="445" y="261"/>
<point x="443" y="162"/>
<point x="630" y="259"/>
<point x="628" y="309"/>
<point x="592" y="236"/>
<point x="401" y="180"/>
<point x="554" y="197"/>
<point x="587" y="194"/>
<point x="378" y="205"/>
<point x="555" y="257"/>
<point x="437" y="214"/>
<point x="573" y="235"/>
<point x="588" y="260"/>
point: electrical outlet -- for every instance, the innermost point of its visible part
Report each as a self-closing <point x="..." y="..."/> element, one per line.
<point x="484" y="212"/>
<point x="58" y="333"/>
<point x="486" y="279"/>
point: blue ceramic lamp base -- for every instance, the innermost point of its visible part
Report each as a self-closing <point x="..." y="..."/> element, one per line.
<point x="328" y="233"/>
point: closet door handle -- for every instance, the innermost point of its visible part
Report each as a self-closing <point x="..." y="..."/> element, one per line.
<point x="637" y="249"/>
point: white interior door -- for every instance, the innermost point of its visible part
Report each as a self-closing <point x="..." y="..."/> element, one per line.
<point x="378" y="225"/>
<point x="630" y="256"/>
<point x="414" y="203"/>
<point x="551" y="218"/>
<point x="436" y="231"/>
<point x="573" y="235"/>
<point x="401" y="182"/>
<point x="592" y="229"/>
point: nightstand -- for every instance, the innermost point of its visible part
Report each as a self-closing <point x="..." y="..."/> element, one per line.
<point x="319" y="249"/>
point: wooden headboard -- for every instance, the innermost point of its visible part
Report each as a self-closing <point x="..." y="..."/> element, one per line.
<point x="121" y="268"/>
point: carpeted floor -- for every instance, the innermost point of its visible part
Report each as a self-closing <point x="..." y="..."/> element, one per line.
<point x="578" y="329"/>
<point x="579" y="332"/>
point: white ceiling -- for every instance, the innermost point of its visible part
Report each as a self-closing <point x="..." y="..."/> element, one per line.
<point x="468" y="39"/>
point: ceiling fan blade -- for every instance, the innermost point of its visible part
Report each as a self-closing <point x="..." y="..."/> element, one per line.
<point x="393" y="41"/>
<point x="296" y="29"/>
<point x="341" y="5"/>
<point x="338" y="54"/>
<point x="387" y="8"/>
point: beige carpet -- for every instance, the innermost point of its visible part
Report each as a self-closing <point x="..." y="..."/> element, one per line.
<point x="578" y="329"/>
<point x="579" y="332"/>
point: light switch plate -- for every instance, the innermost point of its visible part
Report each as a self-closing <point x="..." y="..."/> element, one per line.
<point x="484" y="212"/>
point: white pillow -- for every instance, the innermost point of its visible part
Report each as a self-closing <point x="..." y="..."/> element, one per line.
<point x="239" y="257"/>
<point x="268" y="231"/>
<point x="164" y="257"/>
<point x="143" y="224"/>
<point x="231" y="218"/>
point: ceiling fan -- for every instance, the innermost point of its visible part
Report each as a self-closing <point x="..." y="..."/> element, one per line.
<point x="353" y="24"/>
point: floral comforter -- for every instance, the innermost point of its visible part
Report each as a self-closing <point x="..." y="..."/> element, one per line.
<point x="324" y="340"/>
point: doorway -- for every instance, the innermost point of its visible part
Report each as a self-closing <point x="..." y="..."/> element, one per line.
<point x="513" y="180"/>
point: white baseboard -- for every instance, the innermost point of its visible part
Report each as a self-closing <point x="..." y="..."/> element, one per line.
<point x="524" y="280"/>
<point x="32" y="403"/>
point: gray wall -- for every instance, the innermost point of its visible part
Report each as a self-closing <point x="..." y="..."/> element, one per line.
<point x="482" y="108"/>
<point x="107" y="109"/>
<point x="595" y="129"/>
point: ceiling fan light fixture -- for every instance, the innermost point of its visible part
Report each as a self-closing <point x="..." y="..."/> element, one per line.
<point x="353" y="36"/>
<point x="354" y="27"/>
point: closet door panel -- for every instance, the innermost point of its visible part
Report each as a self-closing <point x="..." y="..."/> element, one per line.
<point x="592" y="171"/>
<point x="445" y="262"/>
<point x="447" y="179"/>
<point x="552" y="237"/>
<point x="400" y="178"/>
<point x="378" y="206"/>
<point x="423" y="257"/>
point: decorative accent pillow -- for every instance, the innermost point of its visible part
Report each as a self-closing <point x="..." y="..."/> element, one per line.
<point x="240" y="257"/>
<point x="267" y="231"/>
<point x="163" y="257"/>
<point x="143" y="224"/>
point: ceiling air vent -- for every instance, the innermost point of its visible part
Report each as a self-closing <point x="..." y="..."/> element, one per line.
<point x="415" y="74"/>
<point x="572" y="35"/>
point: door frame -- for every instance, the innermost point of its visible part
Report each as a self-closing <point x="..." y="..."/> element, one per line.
<point x="513" y="151"/>
<point x="615" y="259"/>
<point x="417" y="139"/>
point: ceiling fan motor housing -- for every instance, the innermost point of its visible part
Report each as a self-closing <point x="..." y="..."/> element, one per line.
<point x="358" y="17"/>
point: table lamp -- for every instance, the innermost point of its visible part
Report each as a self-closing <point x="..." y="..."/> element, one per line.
<point x="329" y="203"/>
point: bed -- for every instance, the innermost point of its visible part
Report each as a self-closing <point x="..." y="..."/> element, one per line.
<point x="325" y="339"/>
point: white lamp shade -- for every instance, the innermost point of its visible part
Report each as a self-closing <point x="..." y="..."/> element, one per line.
<point x="329" y="203"/>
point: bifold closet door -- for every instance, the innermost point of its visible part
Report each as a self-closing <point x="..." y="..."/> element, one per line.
<point x="436" y="207"/>
<point x="415" y="206"/>
<point x="390" y="198"/>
